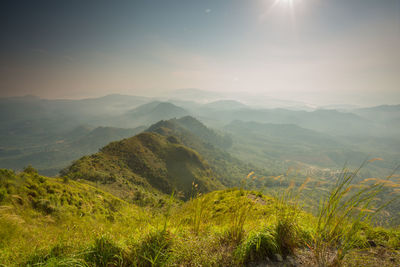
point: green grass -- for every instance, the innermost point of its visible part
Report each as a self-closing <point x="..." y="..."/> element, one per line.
<point x="344" y="211"/>
<point x="52" y="222"/>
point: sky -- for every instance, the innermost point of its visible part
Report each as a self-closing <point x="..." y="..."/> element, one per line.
<point x="319" y="51"/>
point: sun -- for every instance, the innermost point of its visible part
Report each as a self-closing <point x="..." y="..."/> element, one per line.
<point x="285" y="2"/>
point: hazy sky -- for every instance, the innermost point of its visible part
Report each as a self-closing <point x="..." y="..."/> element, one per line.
<point x="326" y="51"/>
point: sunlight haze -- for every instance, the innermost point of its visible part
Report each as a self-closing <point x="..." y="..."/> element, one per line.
<point x="315" y="51"/>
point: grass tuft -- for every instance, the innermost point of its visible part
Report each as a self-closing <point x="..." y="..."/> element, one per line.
<point x="257" y="247"/>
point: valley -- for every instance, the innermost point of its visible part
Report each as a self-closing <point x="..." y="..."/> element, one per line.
<point x="165" y="184"/>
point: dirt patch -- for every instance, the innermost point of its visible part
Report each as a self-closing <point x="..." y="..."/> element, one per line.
<point x="257" y="199"/>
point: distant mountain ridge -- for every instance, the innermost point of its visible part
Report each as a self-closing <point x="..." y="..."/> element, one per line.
<point x="148" y="114"/>
<point x="55" y="154"/>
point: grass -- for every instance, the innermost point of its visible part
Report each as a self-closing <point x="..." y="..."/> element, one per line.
<point x="85" y="226"/>
<point x="343" y="213"/>
<point x="258" y="246"/>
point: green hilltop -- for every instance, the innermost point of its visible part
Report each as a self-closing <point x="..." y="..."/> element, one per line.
<point x="145" y="162"/>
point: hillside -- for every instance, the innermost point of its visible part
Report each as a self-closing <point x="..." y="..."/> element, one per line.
<point x="55" y="153"/>
<point x="223" y="105"/>
<point x="267" y="144"/>
<point x="85" y="226"/>
<point x="261" y="142"/>
<point x="211" y="145"/>
<point x="36" y="211"/>
<point x="143" y="163"/>
<point x="148" y="114"/>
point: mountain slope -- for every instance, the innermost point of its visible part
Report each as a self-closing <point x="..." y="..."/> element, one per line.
<point x="192" y="133"/>
<point x="148" y="114"/>
<point x="146" y="162"/>
<point x="290" y="133"/>
<point x="224" y="105"/>
<point x="51" y="156"/>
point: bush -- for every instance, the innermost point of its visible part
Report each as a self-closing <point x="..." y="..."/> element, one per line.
<point x="154" y="250"/>
<point x="45" y="206"/>
<point x="30" y="170"/>
<point x="56" y="256"/>
<point x="258" y="246"/>
<point x="3" y="194"/>
<point x="104" y="253"/>
<point x="286" y="235"/>
<point x="394" y="240"/>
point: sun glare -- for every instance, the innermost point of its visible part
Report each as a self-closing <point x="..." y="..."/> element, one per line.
<point x="288" y="5"/>
<point x="285" y="2"/>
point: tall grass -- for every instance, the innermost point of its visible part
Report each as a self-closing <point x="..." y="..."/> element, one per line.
<point x="168" y="212"/>
<point x="238" y="219"/>
<point x="341" y="216"/>
<point x="287" y="211"/>
<point x="198" y="208"/>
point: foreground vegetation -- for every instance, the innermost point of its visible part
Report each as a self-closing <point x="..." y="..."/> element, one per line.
<point x="60" y="222"/>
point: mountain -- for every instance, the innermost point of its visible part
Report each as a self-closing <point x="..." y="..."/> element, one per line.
<point x="288" y="133"/>
<point x="149" y="113"/>
<point x="58" y="152"/>
<point x="328" y="121"/>
<point x="101" y="136"/>
<point x="387" y="117"/>
<point x="224" y="105"/>
<point x="211" y="145"/>
<point x="148" y="161"/>
<point x="265" y="142"/>
<point x="32" y="121"/>
<point x="190" y="94"/>
<point x="262" y="143"/>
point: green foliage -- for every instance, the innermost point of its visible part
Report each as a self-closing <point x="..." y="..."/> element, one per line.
<point x="148" y="163"/>
<point x="56" y="256"/>
<point x="287" y="229"/>
<point x="257" y="247"/>
<point x="198" y="205"/>
<point x="209" y="144"/>
<point x="341" y="218"/>
<point x="155" y="249"/>
<point x="30" y="170"/>
<point x="3" y="194"/>
<point x="84" y="226"/>
<point x="238" y="219"/>
<point x="104" y="253"/>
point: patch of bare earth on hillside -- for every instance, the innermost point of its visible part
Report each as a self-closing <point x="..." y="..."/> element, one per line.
<point x="257" y="199"/>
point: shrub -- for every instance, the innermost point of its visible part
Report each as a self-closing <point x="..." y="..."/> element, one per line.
<point x="45" y="206"/>
<point x="286" y="235"/>
<point x="30" y="170"/>
<point x="56" y="256"/>
<point x="3" y="194"/>
<point x="154" y="250"/>
<point x="104" y="253"/>
<point x="394" y="240"/>
<point x="256" y="247"/>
